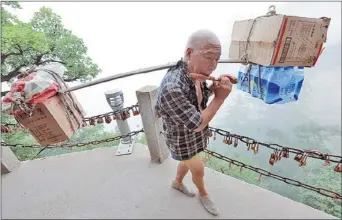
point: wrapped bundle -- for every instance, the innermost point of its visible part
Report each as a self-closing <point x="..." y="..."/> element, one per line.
<point x="36" y="101"/>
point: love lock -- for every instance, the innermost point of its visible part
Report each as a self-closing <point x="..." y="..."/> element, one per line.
<point x="100" y="120"/>
<point x="279" y="154"/>
<point x="286" y="153"/>
<point x="298" y="158"/>
<point x="118" y="116"/>
<point x="255" y="148"/>
<point x="92" y="121"/>
<point x="327" y="161"/>
<point x="302" y="162"/>
<point x="125" y="115"/>
<point x="248" y="146"/>
<point x="259" y="179"/>
<point x="136" y="111"/>
<point x="236" y="142"/>
<point x="230" y="140"/>
<point x="272" y="159"/>
<point x="128" y="114"/>
<point x="338" y="167"/>
<point x="225" y="140"/>
<point x="108" y="119"/>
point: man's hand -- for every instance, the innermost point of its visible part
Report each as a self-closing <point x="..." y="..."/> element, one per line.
<point x="232" y="79"/>
<point x="222" y="88"/>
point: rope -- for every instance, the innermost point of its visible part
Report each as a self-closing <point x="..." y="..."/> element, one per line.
<point x="19" y="102"/>
<point x="65" y="96"/>
<point x="244" y="57"/>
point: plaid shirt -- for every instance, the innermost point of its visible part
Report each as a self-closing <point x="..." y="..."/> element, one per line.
<point x="177" y="104"/>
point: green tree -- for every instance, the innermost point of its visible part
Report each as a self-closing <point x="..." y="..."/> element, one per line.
<point x="42" y="40"/>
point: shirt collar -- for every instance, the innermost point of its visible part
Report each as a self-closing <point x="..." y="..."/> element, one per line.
<point x="184" y="68"/>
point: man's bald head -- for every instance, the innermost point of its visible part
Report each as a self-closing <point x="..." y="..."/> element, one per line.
<point x="202" y="52"/>
<point x="201" y="38"/>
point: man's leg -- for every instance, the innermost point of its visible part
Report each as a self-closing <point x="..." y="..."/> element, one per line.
<point x="196" y="167"/>
<point x="182" y="170"/>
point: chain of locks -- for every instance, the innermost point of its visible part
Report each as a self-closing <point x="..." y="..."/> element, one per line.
<point x="279" y="151"/>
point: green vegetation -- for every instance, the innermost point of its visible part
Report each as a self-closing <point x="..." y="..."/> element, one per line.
<point x="234" y="171"/>
<point x="41" y="40"/>
<point x="143" y="140"/>
<point x="314" y="174"/>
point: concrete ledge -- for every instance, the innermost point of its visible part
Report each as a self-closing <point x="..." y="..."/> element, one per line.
<point x="9" y="161"/>
<point x="98" y="184"/>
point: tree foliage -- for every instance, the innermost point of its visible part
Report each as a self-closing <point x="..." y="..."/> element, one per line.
<point x="42" y="40"/>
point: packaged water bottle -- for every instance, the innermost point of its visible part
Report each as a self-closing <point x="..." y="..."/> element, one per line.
<point x="278" y="85"/>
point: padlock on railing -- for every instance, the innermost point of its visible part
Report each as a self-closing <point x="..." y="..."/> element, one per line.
<point x="108" y="119"/>
<point x="84" y="124"/>
<point x="236" y="142"/>
<point x="338" y="167"/>
<point x="286" y="153"/>
<point x="135" y="111"/>
<point x="100" y="120"/>
<point x="91" y="121"/>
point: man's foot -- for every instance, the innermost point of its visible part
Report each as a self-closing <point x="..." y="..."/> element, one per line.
<point x="183" y="189"/>
<point x="209" y="205"/>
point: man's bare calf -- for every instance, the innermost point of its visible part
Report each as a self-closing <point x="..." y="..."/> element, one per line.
<point x="196" y="167"/>
<point x="182" y="170"/>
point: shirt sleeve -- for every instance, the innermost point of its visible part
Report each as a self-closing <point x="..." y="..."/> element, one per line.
<point x="179" y="108"/>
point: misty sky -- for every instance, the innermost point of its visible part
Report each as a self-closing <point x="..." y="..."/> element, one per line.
<point x="124" y="36"/>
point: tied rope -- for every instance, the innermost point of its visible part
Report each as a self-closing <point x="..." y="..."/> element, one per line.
<point x="19" y="100"/>
<point x="244" y="57"/>
<point x="64" y="98"/>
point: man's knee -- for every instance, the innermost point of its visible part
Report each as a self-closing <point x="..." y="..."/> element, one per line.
<point x="196" y="167"/>
<point x="198" y="171"/>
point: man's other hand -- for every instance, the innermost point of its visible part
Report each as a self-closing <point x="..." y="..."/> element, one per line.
<point x="222" y="88"/>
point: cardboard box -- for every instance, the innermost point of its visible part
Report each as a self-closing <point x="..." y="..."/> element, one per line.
<point x="280" y="40"/>
<point x="49" y="122"/>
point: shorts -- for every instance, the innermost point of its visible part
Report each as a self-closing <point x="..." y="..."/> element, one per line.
<point x="185" y="159"/>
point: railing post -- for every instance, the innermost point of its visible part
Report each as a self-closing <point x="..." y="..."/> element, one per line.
<point x="8" y="160"/>
<point x="147" y="98"/>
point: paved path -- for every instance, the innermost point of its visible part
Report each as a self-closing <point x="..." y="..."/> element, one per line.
<point x="98" y="184"/>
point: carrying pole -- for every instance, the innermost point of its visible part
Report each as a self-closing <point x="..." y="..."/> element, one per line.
<point x="135" y="72"/>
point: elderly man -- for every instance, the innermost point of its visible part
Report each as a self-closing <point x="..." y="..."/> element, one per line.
<point x="182" y="104"/>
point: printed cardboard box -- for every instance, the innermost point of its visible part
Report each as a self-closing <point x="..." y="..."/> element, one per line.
<point x="280" y="40"/>
<point x="50" y="123"/>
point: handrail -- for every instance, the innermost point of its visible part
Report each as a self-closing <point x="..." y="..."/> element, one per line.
<point x="136" y="72"/>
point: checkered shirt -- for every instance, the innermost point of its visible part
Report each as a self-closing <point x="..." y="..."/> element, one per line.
<point x="177" y="104"/>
